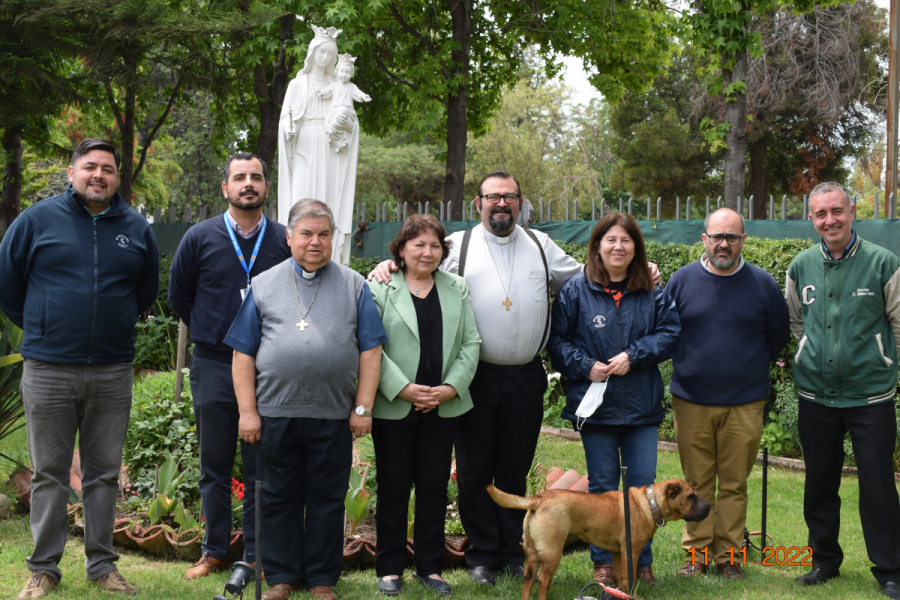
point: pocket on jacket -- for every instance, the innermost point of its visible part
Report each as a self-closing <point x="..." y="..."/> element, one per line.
<point x="800" y="350"/>
<point x="887" y="360"/>
<point x="538" y="283"/>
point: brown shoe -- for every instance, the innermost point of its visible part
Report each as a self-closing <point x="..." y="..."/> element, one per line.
<point x="730" y="571"/>
<point x="323" y="592"/>
<point x="692" y="568"/>
<point x="262" y="572"/>
<point x="114" y="582"/>
<point x="38" y="585"/>
<point x="279" y="591"/>
<point x="206" y="565"/>
<point x="603" y="574"/>
<point x="645" y="574"/>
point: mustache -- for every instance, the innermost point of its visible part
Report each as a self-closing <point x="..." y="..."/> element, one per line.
<point x="249" y="193"/>
<point x="97" y="181"/>
<point x="501" y="209"/>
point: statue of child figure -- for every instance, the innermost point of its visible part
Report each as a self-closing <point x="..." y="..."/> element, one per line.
<point x="341" y="121"/>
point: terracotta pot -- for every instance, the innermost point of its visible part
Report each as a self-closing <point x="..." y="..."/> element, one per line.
<point x="581" y="485"/>
<point x="352" y="553"/>
<point x="367" y="554"/>
<point x="568" y="479"/>
<point x="22" y="482"/>
<point x="554" y="474"/>
<point x="455" y="554"/>
<point x="186" y="544"/>
<point x="152" y="540"/>
<point x="236" y="546"/>
<point x="120" y="533"/>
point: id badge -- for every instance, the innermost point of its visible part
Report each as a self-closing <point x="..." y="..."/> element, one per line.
<point x="244" y="293"/>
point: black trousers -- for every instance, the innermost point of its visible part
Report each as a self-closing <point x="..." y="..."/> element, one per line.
<point x="303" y="465"/>
<point x="495" y="444"/>
<point x="873" y="432"/>
<point x="216" y="411"/>
<point x="417" y="453"/>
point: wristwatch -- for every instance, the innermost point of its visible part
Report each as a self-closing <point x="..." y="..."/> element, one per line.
<point x="361" y="411"/>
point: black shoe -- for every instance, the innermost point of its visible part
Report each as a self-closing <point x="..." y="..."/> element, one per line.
<point x="389" y="587"/>
<point x="438" y="585"/>
<point x="891" y="589"/>
<point x="517" y="571"/>
<point x="816" y="576"/>
<point x="482" y="575"/>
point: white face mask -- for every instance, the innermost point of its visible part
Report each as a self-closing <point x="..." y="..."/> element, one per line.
<point x="592" y="400"/>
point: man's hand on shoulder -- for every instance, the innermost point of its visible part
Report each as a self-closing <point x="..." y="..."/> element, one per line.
<point x="654" y="273"/>
<point x="382" y="272"/>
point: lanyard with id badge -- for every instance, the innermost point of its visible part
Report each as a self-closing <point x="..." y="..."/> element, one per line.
<point x="240" y="256"/>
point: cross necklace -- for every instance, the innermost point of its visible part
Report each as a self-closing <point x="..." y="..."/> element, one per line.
<point x="507" y="302"/>
<point x="303" y="324"/>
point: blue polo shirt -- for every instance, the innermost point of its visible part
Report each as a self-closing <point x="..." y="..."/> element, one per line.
<point x="246" y="330"/>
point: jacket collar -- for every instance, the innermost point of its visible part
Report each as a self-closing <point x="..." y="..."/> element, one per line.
<point x="849" y="251"/>
<point x="73" y="201"/>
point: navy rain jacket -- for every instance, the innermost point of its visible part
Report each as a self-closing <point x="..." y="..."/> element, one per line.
<point x="76" y="285"/>
<point x="587" y="327"/>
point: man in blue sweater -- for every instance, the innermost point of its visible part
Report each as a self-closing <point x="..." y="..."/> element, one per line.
<point x="734" y="321"/>
<point x="77" y="270"/>
<point x="210" y="274"/>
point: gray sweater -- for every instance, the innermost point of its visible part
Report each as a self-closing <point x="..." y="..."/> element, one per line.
<point x="310" y="373"/>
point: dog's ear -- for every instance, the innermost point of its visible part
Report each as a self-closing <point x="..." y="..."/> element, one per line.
<point x="673" y="490"/>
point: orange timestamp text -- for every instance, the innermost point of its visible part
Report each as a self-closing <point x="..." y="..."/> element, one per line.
<point x="793" y="556"/>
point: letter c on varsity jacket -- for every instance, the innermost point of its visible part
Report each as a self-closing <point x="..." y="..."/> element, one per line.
<point x="806" y="299"/>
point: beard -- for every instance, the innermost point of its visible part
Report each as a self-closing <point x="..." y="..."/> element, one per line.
<point x="501" y="227"/>
<point x="724" y="263"/>
<point x="96" y="199"/>
<point x="245" y="201"/>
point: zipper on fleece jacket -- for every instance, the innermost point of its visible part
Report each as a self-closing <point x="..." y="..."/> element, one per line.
<point x="94" y="295"/>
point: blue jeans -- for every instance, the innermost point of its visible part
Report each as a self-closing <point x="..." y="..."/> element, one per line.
<point x="92" y="401"/>
<point x="216" y="413"/>
<point x="602" y="445"/>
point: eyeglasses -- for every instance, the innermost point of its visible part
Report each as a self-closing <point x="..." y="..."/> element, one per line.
<point x="716" y="238"/>
<point x="495" y="198"/>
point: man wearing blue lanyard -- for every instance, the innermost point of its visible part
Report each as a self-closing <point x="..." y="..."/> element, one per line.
<point x="210" y="274"/>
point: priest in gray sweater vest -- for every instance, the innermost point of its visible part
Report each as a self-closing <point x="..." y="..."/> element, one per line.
<point x="306" y="331"/>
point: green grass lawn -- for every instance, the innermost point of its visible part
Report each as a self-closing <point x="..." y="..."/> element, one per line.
<point x="163" y="578"/>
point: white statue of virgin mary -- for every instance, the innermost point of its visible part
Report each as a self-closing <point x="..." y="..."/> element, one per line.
<point x="307" y="166"/>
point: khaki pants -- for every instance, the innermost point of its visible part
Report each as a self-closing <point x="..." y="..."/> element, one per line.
<point x="718" y="441"/>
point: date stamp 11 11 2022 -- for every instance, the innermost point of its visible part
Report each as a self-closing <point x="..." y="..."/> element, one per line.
<point x="794" y="556"/>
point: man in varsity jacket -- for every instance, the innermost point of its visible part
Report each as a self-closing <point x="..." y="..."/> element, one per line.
<point x="844" y="301"/>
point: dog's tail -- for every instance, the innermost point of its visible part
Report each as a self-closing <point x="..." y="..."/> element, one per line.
<point x="512" y="501"/>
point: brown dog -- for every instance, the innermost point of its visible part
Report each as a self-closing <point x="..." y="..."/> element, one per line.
<point x="597" y="519"/>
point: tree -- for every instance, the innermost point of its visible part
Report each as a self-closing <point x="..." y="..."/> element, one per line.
<point x="811" y="95"/>
<point x="33" y="87"/>
<point x="437" y="70"/>
<point x="720" y="31"/>
<point x="143" y="55"/>
<point x="397" y="170"/>
<point x="660" y="149"/>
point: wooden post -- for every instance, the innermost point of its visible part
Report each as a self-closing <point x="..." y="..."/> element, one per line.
<point x="179" y="359"/>
<point x="892" y="108"/>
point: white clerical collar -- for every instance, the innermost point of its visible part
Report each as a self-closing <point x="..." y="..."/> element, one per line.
<point x="489" y="236"/>
<point x="704" y="260"/>
<point x="304" y="273"/>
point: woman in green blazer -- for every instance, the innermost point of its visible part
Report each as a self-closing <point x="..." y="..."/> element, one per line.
<point x="426" y="368"/>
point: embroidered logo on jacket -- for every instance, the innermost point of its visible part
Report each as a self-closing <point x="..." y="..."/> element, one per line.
<point x="863" y="292"/>
<point x="123" y="241"/>
<point x="807" y="300"/>
<point x="598" y="322"/>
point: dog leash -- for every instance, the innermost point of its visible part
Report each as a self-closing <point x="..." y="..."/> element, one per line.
<point x="611" y="591"/>
<point x="654" y="508"/>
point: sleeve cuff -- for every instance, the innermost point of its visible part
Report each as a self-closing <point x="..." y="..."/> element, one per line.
<point x="240" y="346"/>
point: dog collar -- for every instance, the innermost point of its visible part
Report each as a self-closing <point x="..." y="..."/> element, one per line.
<point x="654" y="508"/>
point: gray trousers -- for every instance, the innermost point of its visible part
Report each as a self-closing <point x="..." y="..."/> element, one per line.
<point x="94" y="402"/>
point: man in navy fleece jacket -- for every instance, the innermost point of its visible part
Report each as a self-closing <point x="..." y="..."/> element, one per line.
<point x="76" y="270"/>
<point x="734" y="321"/>
<point x="212" y="266"/>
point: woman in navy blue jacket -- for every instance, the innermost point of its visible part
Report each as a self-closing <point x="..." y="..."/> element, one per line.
<point x="610" y="324"/>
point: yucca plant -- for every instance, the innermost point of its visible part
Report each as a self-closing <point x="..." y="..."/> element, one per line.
<point x="12" y="410"/>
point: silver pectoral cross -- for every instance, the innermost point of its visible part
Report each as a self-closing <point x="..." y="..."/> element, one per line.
<point x="302" y="324"/>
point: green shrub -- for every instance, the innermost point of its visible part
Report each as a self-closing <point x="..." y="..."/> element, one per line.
<point x="156" y="341"/>
<point x="162" y="427"/>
